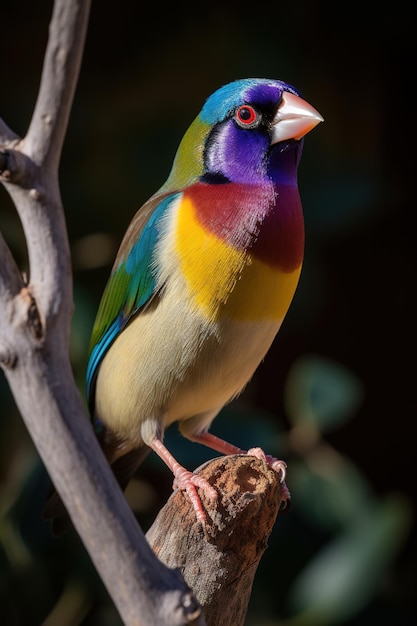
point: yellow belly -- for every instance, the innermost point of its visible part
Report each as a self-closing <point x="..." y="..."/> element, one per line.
<point x="199" y="344"/>
<point x="173" y="364"/>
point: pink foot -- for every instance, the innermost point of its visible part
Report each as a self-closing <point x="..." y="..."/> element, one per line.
<point x="278" y="466"/>
<point x="183" y="479"/>
<point x="190" y="482"/>
<point x="224" y="447"/>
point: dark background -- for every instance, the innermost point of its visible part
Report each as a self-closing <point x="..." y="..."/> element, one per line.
<point x="344" y="360"/>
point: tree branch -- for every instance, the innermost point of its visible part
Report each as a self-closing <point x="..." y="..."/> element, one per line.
<point x="34" y="185"/>
<point x="220" y="564"/>
<point x="34" y="337"/>
<point x="45" y="137"/>
<point x="36" y="317"/>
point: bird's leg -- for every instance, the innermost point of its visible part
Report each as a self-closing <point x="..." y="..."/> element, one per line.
<point x="184" y="479"/>
<point x="224" y="447"/>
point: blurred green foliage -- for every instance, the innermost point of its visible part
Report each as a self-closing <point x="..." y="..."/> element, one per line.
<point x="335" y="396"/>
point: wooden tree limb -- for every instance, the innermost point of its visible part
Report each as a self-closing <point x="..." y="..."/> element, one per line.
<point x="45" y="137"/>
<point x="220" y="564"/>
<point x="30" y="165"/>
<point x="34" y="336"/>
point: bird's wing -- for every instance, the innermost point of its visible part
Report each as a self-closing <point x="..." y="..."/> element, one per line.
<point x="132" y="283"/>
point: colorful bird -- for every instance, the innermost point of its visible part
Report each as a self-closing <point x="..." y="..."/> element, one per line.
<point x="202" y="280"/>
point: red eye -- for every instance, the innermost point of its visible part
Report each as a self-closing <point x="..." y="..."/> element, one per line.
<point x="246" y="115"/>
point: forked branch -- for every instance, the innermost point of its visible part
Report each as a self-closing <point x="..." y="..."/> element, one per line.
<point x="34" y="336"/>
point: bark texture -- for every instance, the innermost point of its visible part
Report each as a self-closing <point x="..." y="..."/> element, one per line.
<point x="219" y="561"/>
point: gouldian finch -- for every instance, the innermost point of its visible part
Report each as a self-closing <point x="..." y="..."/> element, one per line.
<point x="202" y="281"/>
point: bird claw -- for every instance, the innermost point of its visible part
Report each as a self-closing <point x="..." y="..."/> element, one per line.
<point x="278" y="466"/>
<point x="190" y="482"/>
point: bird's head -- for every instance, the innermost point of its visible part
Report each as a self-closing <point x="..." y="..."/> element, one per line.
<point x="247" y="131"/>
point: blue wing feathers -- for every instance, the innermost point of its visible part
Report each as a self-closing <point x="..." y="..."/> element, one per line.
<point x="131" y="285"/>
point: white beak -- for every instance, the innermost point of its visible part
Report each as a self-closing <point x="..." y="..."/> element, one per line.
<point x="294" y="118"/>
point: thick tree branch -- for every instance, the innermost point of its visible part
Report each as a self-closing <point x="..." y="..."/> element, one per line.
<point x="220" y="564"/>
<point x="34" y="337"/>
<point x="33" y="182"/>
<point x="35" y="324"/>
